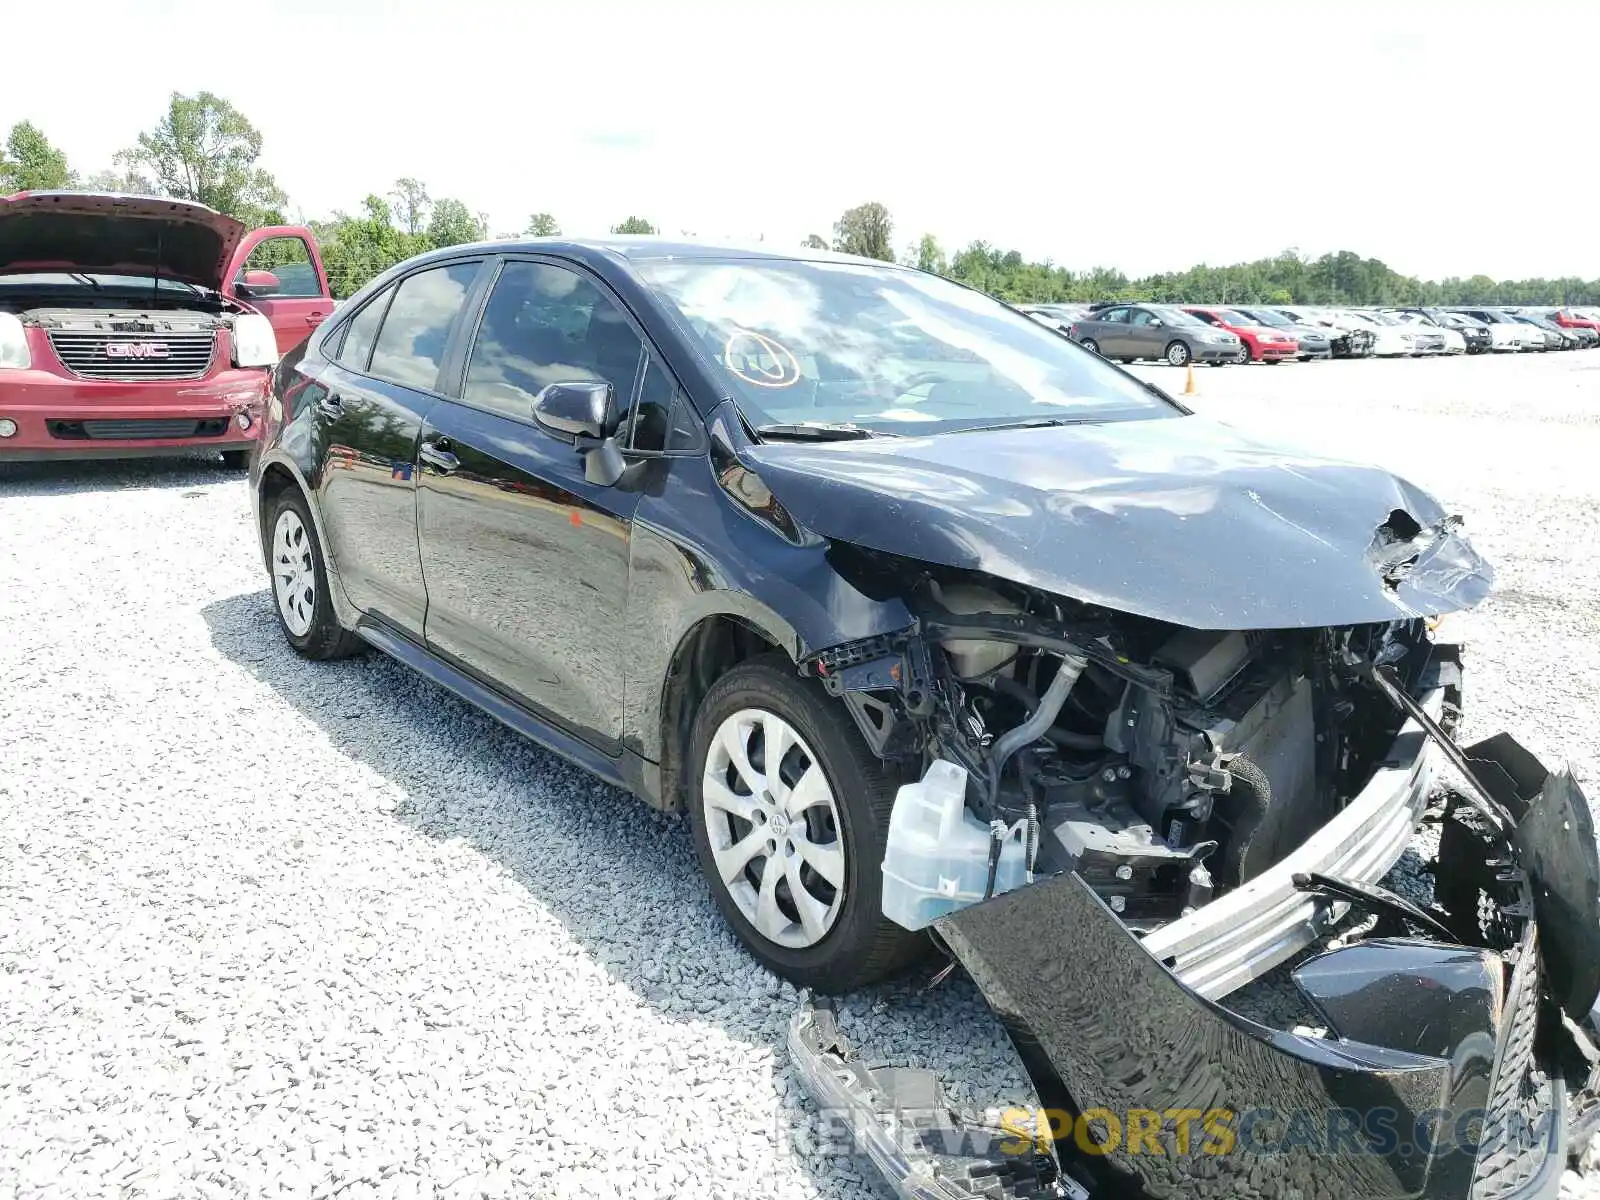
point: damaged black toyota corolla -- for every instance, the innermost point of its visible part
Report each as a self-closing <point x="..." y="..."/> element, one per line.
<point x="933" y="621"/>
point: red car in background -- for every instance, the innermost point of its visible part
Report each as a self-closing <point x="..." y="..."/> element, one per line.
<point x="132" y="326"/>
<point x="1257" y="343"/>
<point x="1568" y="319"/>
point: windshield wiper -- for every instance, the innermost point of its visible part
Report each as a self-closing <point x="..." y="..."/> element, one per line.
<point x="820" y="432"/>
<point x="1025" y="423"/>
<point x="88" y="279"/>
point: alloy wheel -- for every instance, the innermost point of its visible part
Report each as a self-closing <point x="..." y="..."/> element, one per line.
<point x="774" y="828"/>
<point x="294" y="572"/>
<point x="1178" y="354"/>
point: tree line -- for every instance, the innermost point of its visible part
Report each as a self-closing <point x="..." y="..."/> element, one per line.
<point x="205" y="150"/>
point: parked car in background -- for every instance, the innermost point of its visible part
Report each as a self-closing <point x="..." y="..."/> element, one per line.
<point x="1568" y="318"/>
<point x="1315" y="341"/>
<point x="1475" y="333"/>
<point x="139" y="327"/>
<point x="1126" y="332"/>
<point x="1344" y="340"/>
<point x="1257" y="342"/>
<point x="1507" y="334"/>
<point x="1450" y="340"/>
<point x="1389" y="338"/>
<point x="1555" y="337"/>
<point x="1057" y="316"/>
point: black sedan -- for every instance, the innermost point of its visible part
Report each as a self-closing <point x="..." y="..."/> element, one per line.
<point x="928" y="617"/>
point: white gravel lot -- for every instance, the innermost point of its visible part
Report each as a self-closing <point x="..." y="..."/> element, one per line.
<point x="268" y="927"/>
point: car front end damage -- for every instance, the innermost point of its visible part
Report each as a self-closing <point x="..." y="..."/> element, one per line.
<point x="1453" y="1033"/>
<point x="1195" y="808"/>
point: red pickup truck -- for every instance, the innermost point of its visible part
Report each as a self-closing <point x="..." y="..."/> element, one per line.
<point x="132" y="326"/>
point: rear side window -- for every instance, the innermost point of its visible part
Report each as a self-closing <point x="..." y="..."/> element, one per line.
<point x="411" y="344"/>
<point x="355" y="350"/>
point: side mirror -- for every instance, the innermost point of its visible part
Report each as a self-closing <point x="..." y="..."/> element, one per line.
<point x="1156" y="322"/>
<point x="582" y="412"/>
<point x="575" y="409"/>
<point x="258" y="283"/>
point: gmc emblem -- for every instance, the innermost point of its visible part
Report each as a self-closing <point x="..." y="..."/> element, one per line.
<point x="137" y="350"/>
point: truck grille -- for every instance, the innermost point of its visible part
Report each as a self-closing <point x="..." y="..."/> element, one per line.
<point x="134" y="356"/>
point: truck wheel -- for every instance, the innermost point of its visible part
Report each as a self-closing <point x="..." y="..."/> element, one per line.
<point x="790" y="812"/>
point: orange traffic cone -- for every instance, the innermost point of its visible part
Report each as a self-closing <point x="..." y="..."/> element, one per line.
<point x="1188" y="384"/>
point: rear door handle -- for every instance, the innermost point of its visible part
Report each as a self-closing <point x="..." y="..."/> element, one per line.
<point x="437" y="455"/>
<point x="331" y="407"/>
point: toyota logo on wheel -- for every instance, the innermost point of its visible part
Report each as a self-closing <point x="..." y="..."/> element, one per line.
<point x="137" y="350"/>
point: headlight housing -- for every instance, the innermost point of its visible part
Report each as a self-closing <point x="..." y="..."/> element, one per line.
<point x="254" y="343"/>
<point x="14" y="353"/>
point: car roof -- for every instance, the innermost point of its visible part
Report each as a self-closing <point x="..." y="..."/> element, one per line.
<point x="647" y="248"/>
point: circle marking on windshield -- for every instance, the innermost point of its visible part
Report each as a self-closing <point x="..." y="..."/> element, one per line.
<point x="747" y="354"/>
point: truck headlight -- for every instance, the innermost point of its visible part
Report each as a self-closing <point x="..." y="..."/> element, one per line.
<point x="14" y="353"/>
<point x="254" y="343"/>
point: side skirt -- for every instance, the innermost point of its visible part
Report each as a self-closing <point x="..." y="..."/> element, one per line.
<point x="627" y="770"/>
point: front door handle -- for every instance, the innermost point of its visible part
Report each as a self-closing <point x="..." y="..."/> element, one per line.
<point x="437" y="455"/>
<point x="331" y="407"/>
<point x="315" y="318"/>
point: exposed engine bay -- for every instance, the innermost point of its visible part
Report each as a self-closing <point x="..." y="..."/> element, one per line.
<point x="1161" y="764"/>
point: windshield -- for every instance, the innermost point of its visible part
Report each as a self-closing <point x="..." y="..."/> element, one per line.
<point x="1229" y="316"/>
<point x="1175" y="316"/>
<point x="885" y="349"/>
<point x="1265" y="316"/>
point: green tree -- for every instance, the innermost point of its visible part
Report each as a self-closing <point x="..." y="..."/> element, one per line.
<point x="357" y="248"/>
<point x="865" y="230"/>
<point x="29" y="163"/>
<point x="411" y="204"/>
<point x="452" y="223"/>
<point x="634" y="225"/>
<point x="128" y="182"/>
<point x="815" y="242"/>
<point x="204" y="149"/>
<point x="542" y="224"/>
<point x="930" y="256"/>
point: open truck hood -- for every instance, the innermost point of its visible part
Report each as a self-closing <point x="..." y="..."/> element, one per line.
<point x="116" y="235"/>
<point x="1183" y="520"/>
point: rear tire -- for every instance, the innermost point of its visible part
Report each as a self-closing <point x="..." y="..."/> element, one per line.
<point x="840" y="830"/>
<point x="235" y="460"/>
<point x="1089" y="344"/>
<point x="300" y="583"/>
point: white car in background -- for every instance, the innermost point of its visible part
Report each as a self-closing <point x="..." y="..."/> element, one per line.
<point x="1454" y="343"/>
<point x="1506" y="333"/>
<point x="1389" y="339"/>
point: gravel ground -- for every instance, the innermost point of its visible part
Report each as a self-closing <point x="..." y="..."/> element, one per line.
<point x="272" y="927"/>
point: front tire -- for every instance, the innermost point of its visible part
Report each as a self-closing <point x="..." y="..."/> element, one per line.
<point x="1177" y="354"/>
<point x="790" y="812"/>
<point x="300" y="583"/>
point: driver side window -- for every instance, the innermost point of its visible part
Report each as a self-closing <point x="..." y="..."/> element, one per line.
<point x="1143" y="317"/>
<point x="546" y="324"/>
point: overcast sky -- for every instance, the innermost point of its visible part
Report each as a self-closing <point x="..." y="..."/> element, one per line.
<point x="1443" y="138"/>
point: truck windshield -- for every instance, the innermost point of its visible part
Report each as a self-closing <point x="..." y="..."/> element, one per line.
<point x="885" y="349"/>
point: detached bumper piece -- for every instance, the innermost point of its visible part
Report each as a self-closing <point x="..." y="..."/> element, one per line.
<point x="902" y="1121"/>
<point x="1451" y="1034"/>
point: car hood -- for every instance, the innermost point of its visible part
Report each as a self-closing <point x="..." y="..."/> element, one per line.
<point x="116" y="235"/>
<point x="1183" y="520"/>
